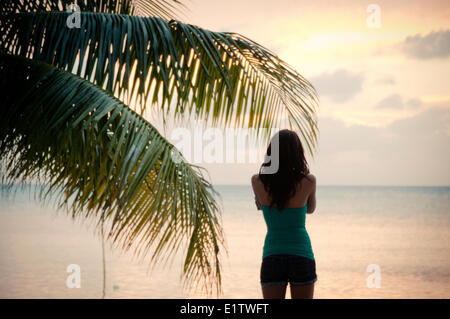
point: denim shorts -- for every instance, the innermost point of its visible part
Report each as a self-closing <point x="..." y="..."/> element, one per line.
<point x="281" y="269"/>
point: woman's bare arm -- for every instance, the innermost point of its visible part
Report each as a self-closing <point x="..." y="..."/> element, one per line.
<point x="312" y="195"/>
<point x="255" y="186"/>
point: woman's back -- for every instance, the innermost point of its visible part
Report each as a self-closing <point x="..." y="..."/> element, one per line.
<point x="286" y="232"/>
<point x="304" y="193"/>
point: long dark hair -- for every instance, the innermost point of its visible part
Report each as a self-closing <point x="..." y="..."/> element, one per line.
<point x="293" y="166"/>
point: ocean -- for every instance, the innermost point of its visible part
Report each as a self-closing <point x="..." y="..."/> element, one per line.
<point x="403" y="231"/>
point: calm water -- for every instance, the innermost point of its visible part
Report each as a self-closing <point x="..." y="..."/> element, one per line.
<point x="404" y="230"/>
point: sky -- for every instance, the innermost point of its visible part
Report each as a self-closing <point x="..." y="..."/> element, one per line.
<point x="382" y="74"/>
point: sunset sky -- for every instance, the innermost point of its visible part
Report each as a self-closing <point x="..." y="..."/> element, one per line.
<point x="384" y="114"/>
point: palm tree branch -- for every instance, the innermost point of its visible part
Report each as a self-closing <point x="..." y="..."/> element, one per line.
<point x="97" y="156"/>
<point x="166" y="9"/>
<point x="178" y="68"/>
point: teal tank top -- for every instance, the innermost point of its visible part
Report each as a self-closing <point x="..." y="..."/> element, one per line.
<point x="286" y="232"/>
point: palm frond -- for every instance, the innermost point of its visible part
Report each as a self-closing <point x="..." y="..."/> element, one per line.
<point x="61" y="130"/>
<point x="224" y="78"/>
<point x="166" y="9"/>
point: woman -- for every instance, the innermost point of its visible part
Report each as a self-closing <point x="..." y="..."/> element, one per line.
<point x="285" y="198"/>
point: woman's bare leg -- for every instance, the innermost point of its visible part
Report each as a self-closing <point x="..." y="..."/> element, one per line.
<point x="274" y="292"/>
<point x="302" y="292"/>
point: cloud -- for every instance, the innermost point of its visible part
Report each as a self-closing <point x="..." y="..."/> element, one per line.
<point x="340" y="85"/>
<point x="414" y="103"/>
<point x="409" y="151"/>
<point x="433" y="45"/>
<point x="387" y="80"/>
<point x="426" y="125"/>
<point x="396" y="102"/>
<point x="393" y="101"/>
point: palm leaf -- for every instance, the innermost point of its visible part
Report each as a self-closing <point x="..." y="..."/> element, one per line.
<point x="167" y="9"/>
<point x="60" y="129"/>
<point x="221" y="77"/>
